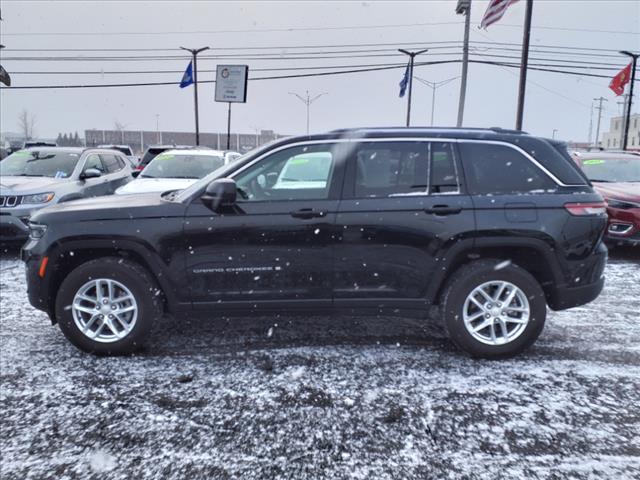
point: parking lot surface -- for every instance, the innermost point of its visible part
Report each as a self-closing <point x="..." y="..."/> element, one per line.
<point x="319" y="397"/>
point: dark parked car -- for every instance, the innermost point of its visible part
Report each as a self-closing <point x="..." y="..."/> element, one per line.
<point x="490" y="226"/>
<point x="616" y="176"/>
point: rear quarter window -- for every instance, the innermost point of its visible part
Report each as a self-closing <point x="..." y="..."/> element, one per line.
<point x="500" y="169"/>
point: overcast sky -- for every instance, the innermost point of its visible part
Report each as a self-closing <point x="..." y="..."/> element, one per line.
<point x="554" y="101"/>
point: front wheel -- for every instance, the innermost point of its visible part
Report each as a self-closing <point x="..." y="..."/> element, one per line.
<point x="108" y="306"/>
<point x="493" y="309"/>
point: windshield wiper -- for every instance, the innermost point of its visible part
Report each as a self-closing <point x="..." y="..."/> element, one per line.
<point x="600" y="180"/>
<point x="146" y="176"/>
<point x="28" y="175"/>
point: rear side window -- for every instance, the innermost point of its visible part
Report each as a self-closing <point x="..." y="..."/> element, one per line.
<point x="384" y="169"/>
<point x="111" y="163"/>
<point x="443" y="175"/>
<point x="495" y="169"/>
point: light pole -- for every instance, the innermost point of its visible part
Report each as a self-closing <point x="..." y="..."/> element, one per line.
<point x="634" y="60"/>
<point x="434" y="86"/>
<point x="553" y="134"/>
<point x="158" y="128"/>
<point x="194" y="52"/>
<point x="308" y="101"/>
<point x="412" y="55"/>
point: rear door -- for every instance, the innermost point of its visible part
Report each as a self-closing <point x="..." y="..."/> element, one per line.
<point x="403" y="207"/>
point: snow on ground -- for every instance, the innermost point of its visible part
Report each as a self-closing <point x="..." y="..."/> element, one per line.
<point x="316" y="398"/>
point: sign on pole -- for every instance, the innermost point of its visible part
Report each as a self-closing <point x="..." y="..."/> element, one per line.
<point x="231" y="83"/>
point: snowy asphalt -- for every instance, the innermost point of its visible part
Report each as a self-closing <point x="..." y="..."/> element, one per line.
<point x="315" y="398"/>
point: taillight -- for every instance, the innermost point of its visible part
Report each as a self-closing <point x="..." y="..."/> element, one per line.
<point x="584" y="209"/>
<point x="139" y="168"/>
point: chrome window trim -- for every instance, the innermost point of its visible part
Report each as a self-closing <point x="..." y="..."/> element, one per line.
<point x="396" y="139"/>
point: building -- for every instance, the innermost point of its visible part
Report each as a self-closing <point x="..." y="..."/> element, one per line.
<point x="613" y="139"/>
<point x="139" y="140"/>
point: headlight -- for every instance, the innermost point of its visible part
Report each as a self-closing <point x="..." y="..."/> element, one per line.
<point x="38" y="198"/>
<point x="621" y="204"/>
<point x="37" y="230"/>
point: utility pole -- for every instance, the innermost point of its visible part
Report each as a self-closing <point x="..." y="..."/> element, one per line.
<point x="308" y="101"/>
<point x="634" y="61"/>
<point x="623" y="103"/>
<point x="523" y="63"/>
<point x="412" y="55"/>
<point x="599" y="108"/>
<point x="591" y="123"/>
<point x="434" y="86"/>
<point x="194" y="52"/>
<point x="464" y="8"/>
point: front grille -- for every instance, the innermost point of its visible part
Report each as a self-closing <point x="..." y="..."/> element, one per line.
<point x="10" y="200"/>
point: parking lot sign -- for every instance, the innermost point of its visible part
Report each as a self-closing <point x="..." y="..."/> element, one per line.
<point x="231" y="83"/>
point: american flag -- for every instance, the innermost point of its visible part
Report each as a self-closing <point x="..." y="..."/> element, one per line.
<point x="495" y="11"/>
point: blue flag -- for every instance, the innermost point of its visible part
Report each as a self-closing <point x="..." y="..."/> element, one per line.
<point x="404" y="82"/>
<point x="187" y="78"/>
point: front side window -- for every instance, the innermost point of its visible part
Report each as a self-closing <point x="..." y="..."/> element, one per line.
<point x="39" y="163"/>
<point x="110" y="163"/>
<point x="93" y="161"/>
<point x="495" y="169"/>
<point x="182" y="165"/>
<point x="296" y="173"/>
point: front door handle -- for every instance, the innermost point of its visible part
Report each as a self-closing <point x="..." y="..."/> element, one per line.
<point x="443" y="210"/>
<point x="308" y="213"/>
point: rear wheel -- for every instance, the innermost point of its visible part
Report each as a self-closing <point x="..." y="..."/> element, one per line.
<point x="108" y="306"/>
<point x="492" y="309"/>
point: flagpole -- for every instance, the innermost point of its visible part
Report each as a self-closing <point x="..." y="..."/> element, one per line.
<point x="194" y="52"/>
<point x="634" y="60"/>
<point x="524" y="63"/>
<point x="412" y="55"/>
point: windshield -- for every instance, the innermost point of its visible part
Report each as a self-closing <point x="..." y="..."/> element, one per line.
<point x="169" y="165"/>
<point x="612" y="169"/>
<point x="39" y="163"/>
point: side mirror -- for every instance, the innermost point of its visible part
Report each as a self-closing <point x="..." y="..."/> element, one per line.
<point x="220" y="193"/>
<point x="135" y="173"/>
<point x="90" y="173"/>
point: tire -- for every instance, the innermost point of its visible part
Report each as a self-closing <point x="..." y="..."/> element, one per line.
<point x="491" y="275"/>
<point x="133" y="326"/>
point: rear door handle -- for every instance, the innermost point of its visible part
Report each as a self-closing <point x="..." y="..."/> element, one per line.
<point x="443" y="210"/>
<point x="308" y="213"/>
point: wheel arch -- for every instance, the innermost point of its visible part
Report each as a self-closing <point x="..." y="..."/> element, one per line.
<point x="533" y="255"/>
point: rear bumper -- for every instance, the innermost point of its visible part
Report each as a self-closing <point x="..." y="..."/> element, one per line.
<point x="564" y="296"/>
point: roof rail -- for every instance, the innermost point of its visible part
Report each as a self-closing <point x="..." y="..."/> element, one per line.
<point x="508" y="130"/>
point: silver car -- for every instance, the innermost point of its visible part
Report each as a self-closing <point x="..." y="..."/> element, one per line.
<point x="37" y="177"/>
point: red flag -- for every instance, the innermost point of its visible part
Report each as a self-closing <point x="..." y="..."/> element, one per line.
<point x="620" y="80"/>
<point x="495" y="11"/>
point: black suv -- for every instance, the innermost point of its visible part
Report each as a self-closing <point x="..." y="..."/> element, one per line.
<point x="485" y="226"/>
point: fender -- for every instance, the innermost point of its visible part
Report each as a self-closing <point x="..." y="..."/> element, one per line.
<point x="150" y="258"/>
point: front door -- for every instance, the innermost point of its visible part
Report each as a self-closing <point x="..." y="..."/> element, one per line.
<point x="96" y="186"/>
<point x="275" y="246"/>
<point x="402" y="207"/>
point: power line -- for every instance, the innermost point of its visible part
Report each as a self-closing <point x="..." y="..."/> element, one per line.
<point x="303" y="75"/>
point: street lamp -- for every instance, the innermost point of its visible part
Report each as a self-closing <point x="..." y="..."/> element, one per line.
<point x="634" y="61"/>
<point x="308" y="101"/>
<point x="412" y="55"/>
<point x="194" y="52"/>
<point x="434" y="86"/>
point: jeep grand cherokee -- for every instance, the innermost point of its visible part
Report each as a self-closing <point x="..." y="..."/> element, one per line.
<point x="486" y="226"/>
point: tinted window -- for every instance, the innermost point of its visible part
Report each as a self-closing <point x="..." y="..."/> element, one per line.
<point x="110" y="163"/>
<point x="39" y="163"/>
<point x="444" y="174"/>
<point x="491" y="168"/>
<point x="150" y="155"/>
<point x="297" y="173"/>
<point x="391" y="168"/>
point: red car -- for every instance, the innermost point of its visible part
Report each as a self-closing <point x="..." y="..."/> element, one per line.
<point x="616" y="176"/>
